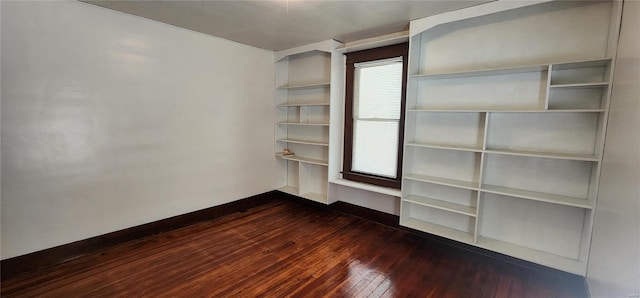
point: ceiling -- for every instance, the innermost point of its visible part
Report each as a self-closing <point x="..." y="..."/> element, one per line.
<point x="282" y="24"/>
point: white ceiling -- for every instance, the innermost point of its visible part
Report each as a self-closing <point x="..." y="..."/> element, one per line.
<point x="282" y="24"/>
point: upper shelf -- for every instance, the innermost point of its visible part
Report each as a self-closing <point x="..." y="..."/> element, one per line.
<point x="538" y="196"/>
<point x="301" y="159"/>
<point x="510" y="70"/>
<point x="482" y="72"/>
<point x="304" y="86"/>
<point x="305" y="142"/>
<point x="482" y="110"/>
<point x="582" y="64"/>
<point x="303" y="124"/>
<point x="581" y="85"/>
<point x="307" y="104"/>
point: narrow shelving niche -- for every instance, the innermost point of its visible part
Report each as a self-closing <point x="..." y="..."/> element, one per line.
<point x="302" y="118"/>
<point x="507" y="156"/>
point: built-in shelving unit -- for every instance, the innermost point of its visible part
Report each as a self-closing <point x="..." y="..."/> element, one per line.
<point x="303" y="102"/>
<point x="505" y="158"/>
<point x="546" y="151"/>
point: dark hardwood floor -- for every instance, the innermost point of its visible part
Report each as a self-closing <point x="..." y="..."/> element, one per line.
<point x="286" y="248"/>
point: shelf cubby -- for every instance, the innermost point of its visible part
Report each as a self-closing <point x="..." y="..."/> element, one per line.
<point x="591" y="97"/>
<point x="311" y="103"/>
<point x="537" y="196"/>
<point x="482" y="72"/>
<point x="444" y="165"/>
<point x="526" y="176"/>
<point x="313" y="181"/>
<point x="442" y="181"/>
<point x="530" y="254"/>
<point x="447" y="224"/>
<point x="304" y="142"/>
<point x="581" y="73"/>
<point x="483" y="92"/>
<point x="442" y="130"/>
<point x="442" y="205"/>
<point x="305" y="86"/>
<point x="455" y="199"/>
<point x="303" y="124"/>
<point x="320" y="162"/>
<point x="287" y="178"/>
<point x="545" y="133"/>
<point x="552" y="155"/>
<point x="523" y="223"/>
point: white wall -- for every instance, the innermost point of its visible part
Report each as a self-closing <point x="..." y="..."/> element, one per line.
<point x="614" y="262"/>
<point x="110" y="121"/>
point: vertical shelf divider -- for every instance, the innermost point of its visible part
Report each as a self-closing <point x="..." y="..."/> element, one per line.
<point x="487" y="118"/>
<point x="548" y="87"/>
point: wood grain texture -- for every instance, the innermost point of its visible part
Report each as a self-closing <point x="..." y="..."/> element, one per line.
<point x="285" y="248"/>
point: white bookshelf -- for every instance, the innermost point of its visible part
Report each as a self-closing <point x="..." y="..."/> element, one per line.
<point x="304" y="95"/>
<point x="506" y="157"/>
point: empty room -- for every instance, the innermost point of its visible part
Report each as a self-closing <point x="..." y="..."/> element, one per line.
<point x="308" y="148"/>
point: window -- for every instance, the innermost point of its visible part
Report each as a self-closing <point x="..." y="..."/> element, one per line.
<point x="374" y="118"/>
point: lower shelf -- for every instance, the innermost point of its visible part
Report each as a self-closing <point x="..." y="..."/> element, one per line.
<point x="532" y="255"/>
<point x="309" y="195"/>
<point x="289" y="189"/>
<point x="538" y="196"/>
<point x="437" y="230"/>
<point x="320" y="198"/>
<point x="540" y="257"/>
<point x="442" y="205"/>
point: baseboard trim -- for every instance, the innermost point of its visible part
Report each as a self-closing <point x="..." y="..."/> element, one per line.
<point x="55" y="255"/>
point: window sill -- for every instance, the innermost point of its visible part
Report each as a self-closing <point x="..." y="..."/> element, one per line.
<point x="368" y="187"/>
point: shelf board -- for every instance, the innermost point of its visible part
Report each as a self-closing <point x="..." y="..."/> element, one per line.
<point x="575" y="111"/>
<point x="553" y="155"/>
<point x="305" y="142"/>
<point x="443" y="110"/>
<point x="285" y="105"/>
<point x="447" y="147"/>
<point x="532" y="255"/>
<point x="582" y="64"/>
<point x="303" y="124"/>
<point x="482" y="72"/>
<point x="310" y="195"/>
<point x="438" y="230"/>
<point x="443" y="181"/>
<point x="480" y="110"/>
<point x="538" y="196"/>
<point x="442" y="205"/>
<point x="580" y="85"/>
<point x="314" y="161"/>
<point x="315" y="197"/>
<point x="289" y="189"/>
<point x="304" y="86"/>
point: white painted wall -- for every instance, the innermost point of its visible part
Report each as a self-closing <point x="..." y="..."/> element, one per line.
<point x="110" y="121"/>
<point x="614" y="262"/>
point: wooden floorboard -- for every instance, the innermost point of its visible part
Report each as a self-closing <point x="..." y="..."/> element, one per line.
<point x="285" y="248"/>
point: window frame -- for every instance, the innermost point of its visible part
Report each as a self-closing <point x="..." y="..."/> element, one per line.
<point x="392" y="51"/>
